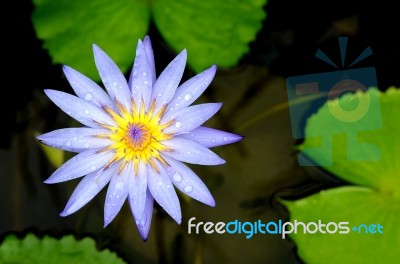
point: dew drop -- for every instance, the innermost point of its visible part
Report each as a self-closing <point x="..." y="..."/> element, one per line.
<point x="119" y="185"/>
<point x="188" y="96"/>
<point x="159" y="183"/>
<point x="68" y="112"/>
<point x="87" y="111"/>
<point x="86" y="145"/>
<point x="88" y="97"/>
<point x="144" y="73"/>
<point x="68" y="143"/>
<point x="143" y="221"/>
<point x="159" y="94"/>
<point x="75" y="138"/>
<point x="177" y="177"/>
<point x="188" y="188"/>
<point x="206" y="83"/>
<point x="224" y="138"/>
<point x="168" y="186"/>
<point x="178" y="124"/>
<point x="93" y="167"/>
<point x="146" y="82"/>
<point x="114" y="83"/>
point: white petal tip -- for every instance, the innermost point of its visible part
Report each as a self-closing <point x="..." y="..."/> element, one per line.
<point x="211" y="202"/>
<point x="49" y="181"/>
<point x="144" y="235"/>
<point x="64" y="213"/>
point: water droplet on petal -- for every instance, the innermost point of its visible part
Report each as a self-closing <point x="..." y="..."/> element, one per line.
<point x="68" y="112"/>
<point x="114" y="83"/>
<point x="188" y="188"/>
<point x="177" y="177"/>
<point x="87" y="111"/>
<point x="75" y="138"/>
<point x="178" y="124"/>
<point x="86" y="145"/>
<point x="93" y="167"/>
<point x="143" y="221"/>
<point x="159" y="183"/>
<point x="159" y="94"/>
<point x="188" y="96"/>
<point x="146" y="82"/>
<point x="224" y="138"/>
<point x="68" y="143"/>
<point x="119" y="185"/>
<point x="144" y="73"/>
<point x="168" y="186"/>
<point x="88" y="97"/>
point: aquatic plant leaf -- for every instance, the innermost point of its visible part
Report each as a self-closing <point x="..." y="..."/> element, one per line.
<point x="371" y="164"/>
<point x="68" y="29"/>
<point x="213" y="32"/>
<point x="32" y="249"/>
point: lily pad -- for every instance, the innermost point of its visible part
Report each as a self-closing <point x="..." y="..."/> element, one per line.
<point x="361" y="207"/>
<point x="70" y="27"/>
<point x="32" y="249"/>
<point x="376" y="199"/>
<point x="214" y="32"/>
<point x="364" y="152"/>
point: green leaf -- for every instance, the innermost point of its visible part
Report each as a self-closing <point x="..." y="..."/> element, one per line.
<point x="70" y="27"/>
<point x="50" y="250"/>
<point x="364" y="150"/>
<point x="356" y="205"/>
<point x="213" y="32"/>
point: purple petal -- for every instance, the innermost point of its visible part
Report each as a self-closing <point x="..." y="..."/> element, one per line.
<point x="88" y="188"/>
<point x="137" y="192"/>
<point x="112" y="78"/>
<point x="117" y="193"/>
<point x="76" y="139"/>
<point x="150" y="57"/>
<point x="168" y="81"/>
<point x="79" y="165"/>
<point x="163" y="192"/>
<point x="188" y="182"/>
<point x="190" y="117"/>
<point x="190" y="90"/>
<point x="79" y="109"/>
<point x="87" y="89"/>
<point x="191" y="152"/>
<point x="210" y="137"/>
<point x="145" y="221"/>
<point x="141" y="79"/>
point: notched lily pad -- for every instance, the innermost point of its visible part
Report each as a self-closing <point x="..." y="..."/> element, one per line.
<point x="374" y="202"/>
<point x="214" y="32"/>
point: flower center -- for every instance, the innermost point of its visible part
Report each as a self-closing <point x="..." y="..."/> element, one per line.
<point x="137" y="136"/>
